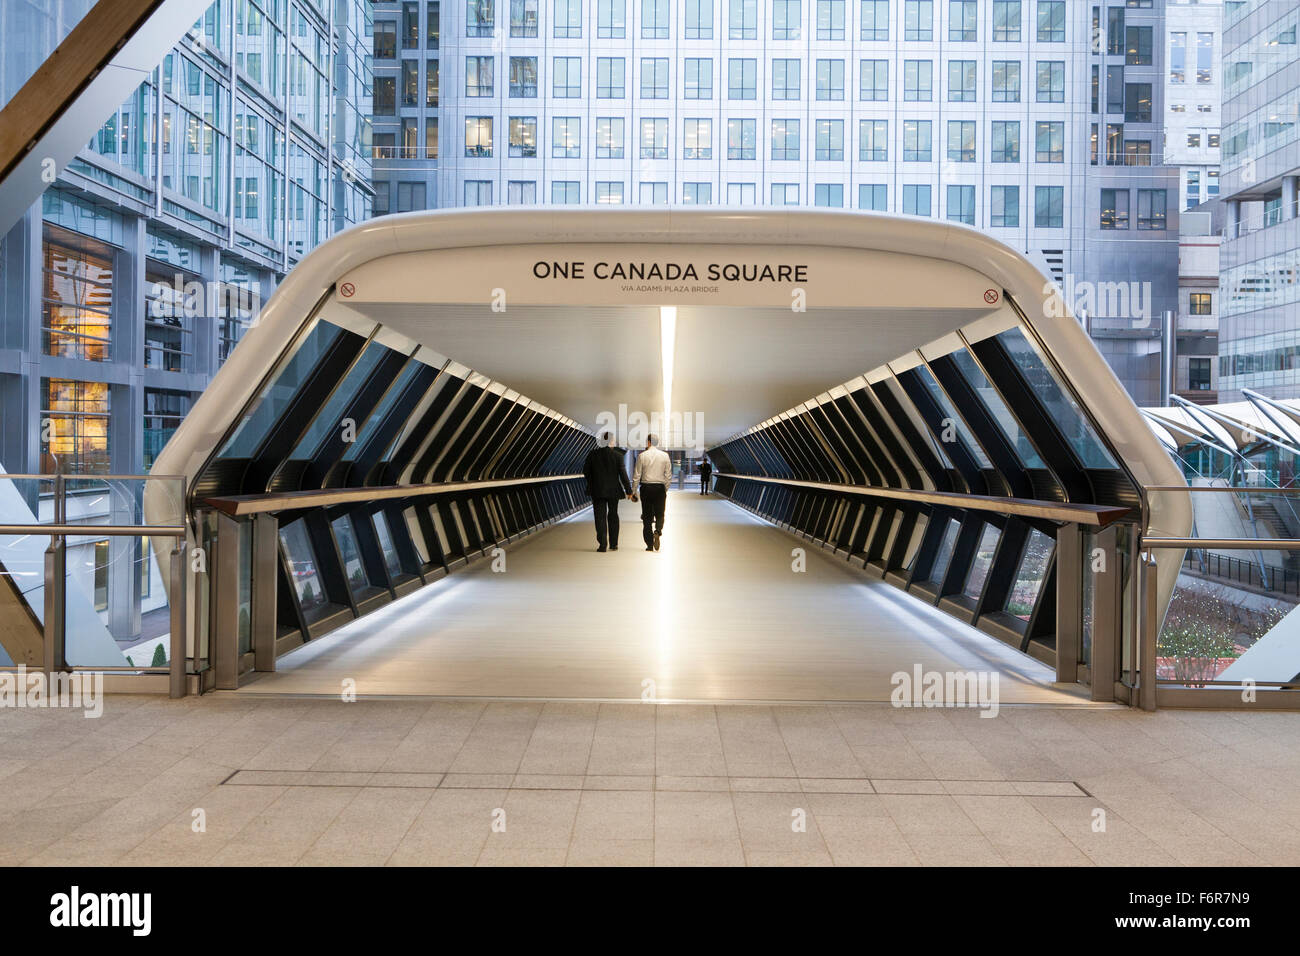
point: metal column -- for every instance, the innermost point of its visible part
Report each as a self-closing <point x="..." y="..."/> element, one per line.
<point x="1107" y="623"/>
<point x="266" y="556"/>
<point x="1069" y="602"/>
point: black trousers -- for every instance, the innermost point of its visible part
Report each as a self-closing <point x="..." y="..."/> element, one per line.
<point x="653" y="499"/>
<point x="704" y="485"/>
<point x="605" y="511"/>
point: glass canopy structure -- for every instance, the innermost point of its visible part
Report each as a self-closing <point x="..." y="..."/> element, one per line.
<point x="966" y="442"/>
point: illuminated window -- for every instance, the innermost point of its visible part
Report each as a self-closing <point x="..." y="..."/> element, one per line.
<point x="77" y="299"/>
<point x="75" y="417"/>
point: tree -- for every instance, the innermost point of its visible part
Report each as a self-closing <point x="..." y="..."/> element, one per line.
<point x="159" y="655"/>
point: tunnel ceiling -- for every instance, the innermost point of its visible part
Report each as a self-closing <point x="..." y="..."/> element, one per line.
<point x="735" y="365"/>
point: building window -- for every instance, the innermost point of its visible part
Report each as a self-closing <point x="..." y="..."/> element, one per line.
<point x="410" y="82"/>
<point x="410" y="196"/>
<point x="785" y="194"/>
<point x="1178" y="58"/>
<point x="1137" y="102"/>
<point x="830" y="79"/>
<point x="742" y="194"/>
<point x="1051" y="81"/>
<point x="699" y="19"/>
<point x="918" y="80"/>
<point x="1201" y="303"/>
<point x="875" y="20"/>
<point x="1049" y="142"/>
<point x="1198" y="374"/>
<point x="699" y="78"/>
<point x="785" y="19"/>
<point x="385" y="96"/>
<point x="654" y="19"/>
<point x="742" y="79"/>
<point x="1004" y="210"/>
<point x="830" y="195"/>
<point x="873" y="196"/>
<point x="1205" y="55"/>
<point x="654" y="78"/>
<point x="410" y="26"/>
<point x="385" y="46"/>
<point x="566" y="138"/>
<point x="1051" y="21"/>
<point x="431" y="137"/>
<point x="742" y="19"/>
<point x="478" y="192"/>
<point x="873" y="141"/>
<point x="523" y="18"/>
<point x="566" y="77"/>
<point x="609" y="137"/>
<point x="1006" y="81"/>
<point x="610" y="81"/>
<point x="654" y="138"/>
<point x="918" y="21"/>
<point x="568" y="19"/>
<point x="76" y="426"/>
<point x="479" y="76"/>
<point x="654" y="194"/>
<point x="163" y="411"/>
<point x="916" y="200"/>
<point x="1049" y="207"/>
<point x="1005" y="147"/>
<point x="785" y="79"/>
<point x="830" y="19"/>
<point x="77" y="297"/>
<point x="961" y="141"/>
<point x="1114" y="31"/>
<point x="963" y="21"/>
<point x="916" y="141"/>
<point x="566" y="192"/>
<point x="830" y="140"/>
<point x="1151" y="209"/>
<point x="874" y="80"/>
<point x="742" y="139"/>
<point x="479" y="18"/>
<point x="433" y="29"/>
<point x="1006" y="21"/>
<point x="697" y="194"/>
<point x="785" y="139"/>
<point x="611" y="19"/>
<point x="523" y="137"/>
<point x="697" y="139"/>
<point x="478" y="136"/>
<point x="961" y="81"/>
<point x="523" y="76"/>
<point x="431" y="83"/>
<point x="609" y="193"/>
<point x="1114" y="209"/>
<point x="1137" y="46"/>
<point x="961" y="204"/>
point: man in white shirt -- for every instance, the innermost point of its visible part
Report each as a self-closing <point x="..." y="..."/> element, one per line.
<point x="653" y="473"/>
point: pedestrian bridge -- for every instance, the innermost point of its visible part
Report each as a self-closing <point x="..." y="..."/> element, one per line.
<point x="901" y="397"/>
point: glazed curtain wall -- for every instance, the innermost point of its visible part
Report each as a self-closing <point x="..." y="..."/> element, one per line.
<point x="990" y="419"/>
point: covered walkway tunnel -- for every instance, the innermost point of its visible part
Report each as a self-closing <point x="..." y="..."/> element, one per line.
<point x="904" y="400"/>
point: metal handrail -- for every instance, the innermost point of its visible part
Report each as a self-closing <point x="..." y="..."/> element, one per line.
<point x="103" y="530"/>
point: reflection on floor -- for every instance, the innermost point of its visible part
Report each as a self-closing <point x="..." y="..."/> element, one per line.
<point x="717" y="614"/>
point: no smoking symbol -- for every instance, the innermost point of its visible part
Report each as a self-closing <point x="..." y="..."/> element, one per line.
<point x="348" y="290"/>
<point x="990" y="296"/>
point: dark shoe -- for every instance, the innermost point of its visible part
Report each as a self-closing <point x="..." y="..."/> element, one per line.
<point x="600" y="549"/>
<point x="613" y="547"/>
<point x="648" y="548"/>
<point x="656" y="540"/>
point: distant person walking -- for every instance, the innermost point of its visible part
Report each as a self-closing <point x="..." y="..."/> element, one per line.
<point x="653" y="473"/>
<point x="606" y="483"/>
<point x="706" y="472"/>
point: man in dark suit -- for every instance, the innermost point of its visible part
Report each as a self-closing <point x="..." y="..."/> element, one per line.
<point x="706" y="472"/>
<point x="606" y="483"/>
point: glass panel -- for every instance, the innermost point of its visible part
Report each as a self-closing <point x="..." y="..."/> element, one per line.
<point x="1058" y="403"/>
<point x="944" y="554"/>
<point x="1029" y="577"/>
<point x="244" y="620"/>
<point x="981" y="561"/>
<point x="116" y="607"/>
<point x="276" y="398"/>
<point x="328" y="418"/>
<point x="354" y="569"/>
<point x="977" y="380"/>
<point x="417" y="535"/>
<point x="391" y="560"/>
<point x="950" y="414"/>
<point x="385" y="406"/>
<point x="301" y="560"/>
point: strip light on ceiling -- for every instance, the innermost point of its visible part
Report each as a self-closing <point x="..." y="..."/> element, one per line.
<point x="667" y="344"/>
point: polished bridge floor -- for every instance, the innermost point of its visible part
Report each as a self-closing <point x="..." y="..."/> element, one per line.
<point x="719" y="614"/>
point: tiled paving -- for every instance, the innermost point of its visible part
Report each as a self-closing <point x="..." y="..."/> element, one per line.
<point x="419" y="782"/>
